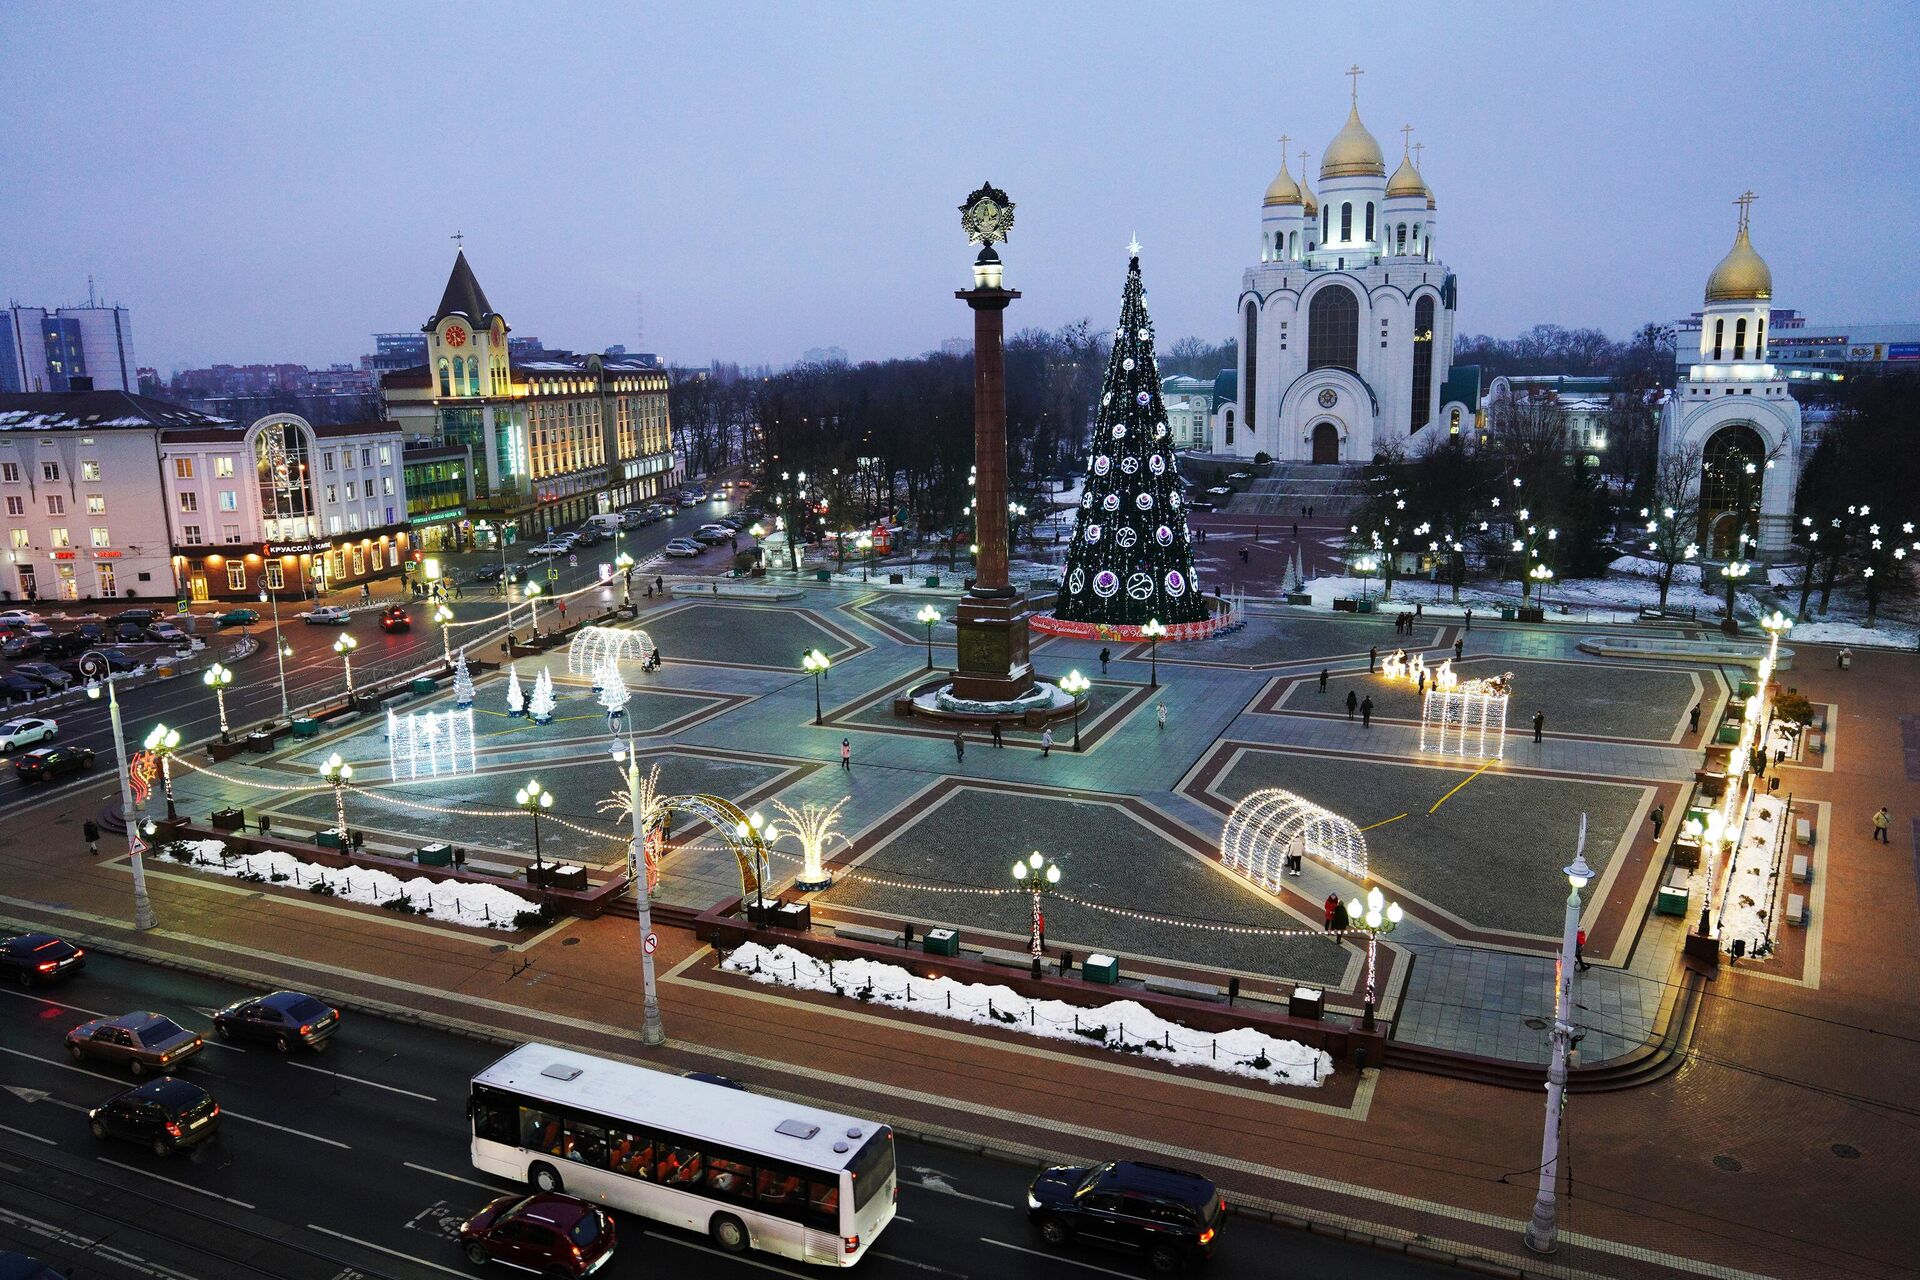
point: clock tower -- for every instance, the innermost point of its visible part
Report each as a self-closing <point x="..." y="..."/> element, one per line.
<point x="466" y="340"/>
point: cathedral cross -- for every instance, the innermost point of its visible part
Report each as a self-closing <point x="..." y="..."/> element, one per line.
<point x="1406" y="136"/>
<point x="1354" y="73"/>
<point x="1418" y="147"/>
<point x="1745" y="201"/>
<point x="459" y="239"/>
<point x="1284" y="140"/>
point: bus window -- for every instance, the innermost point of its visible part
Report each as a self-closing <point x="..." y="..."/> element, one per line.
<point x="494" y="1121"/>
<point x="631" y="1154"/>
<point x="872" y="1168"/>
<point x="679" y="1166"/>
<point x="777" y="1188"/>
<point x="586" y="1143"/>
<point x="729" y="1178"/>
<point x="542" y="1131"/>
<point x="823" y="1205"/>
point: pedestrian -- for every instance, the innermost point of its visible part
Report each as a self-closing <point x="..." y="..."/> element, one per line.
<point x="1323" y="679"/>
<point x="1469" y="619"/>
<point x="659" y="585"/>
<point x="1846" y="656"/>
<point x="1693" y="719"/>
<point x="1330" y="907"/>
<point x="1423" y="682"/>
<point x="1366" y="712"/>
<point x="1106" y="655"/>
<point x="90" y="830"/>
<point x="1341" y="920"/>
<point x="1539" y="723"/>
<point x="1419" y="609"/>
<point x="1659" y="817"/>
<point x="959" y="746"/>
<point x="1580" y="951"/>
<point x="1243" y="555"/>
<point x="562" y="605"/>
<point x="366" y="592"/>
<point x="1046" y="742"/>
<point x="1160" y="714"/>
<point x="1373" y="658"/>
<point x="649" y="591"/>
<point x="846" y="755"/>
<point x="1040" y="926"/>
<point x="1459" y="648"/>
<point x="1353" y="700"/>
<point x="1881" y="821"/>
<point x="996" y="735"/>
<point x="733" y="543"/>
<point x="1296" y="531"/>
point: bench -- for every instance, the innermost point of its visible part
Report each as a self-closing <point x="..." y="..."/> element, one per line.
<point x="1181" y="987"/>
<point x="1009" y="959"/>
<point x="1817" y="743"/>
<point x="1796" y="909"/>
<point x="1820" y="719"/>
<point x="1803" y="830"/>
<point x="1802" y="868"/>
<point x="867" y="933"/>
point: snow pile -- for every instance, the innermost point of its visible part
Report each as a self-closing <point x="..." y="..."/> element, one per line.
<point x="1753" y="879"/>
<point x="1122" y="1024"/>
<point x="485" y="905"/>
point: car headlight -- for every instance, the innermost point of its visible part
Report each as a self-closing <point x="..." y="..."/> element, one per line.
<point x="1033" y="1201"/>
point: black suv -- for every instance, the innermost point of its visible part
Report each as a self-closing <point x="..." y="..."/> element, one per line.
<point x="1171" y="1216"/>
<point x="44" y="764"/>
<point x="168" y="1114"/>
<point x="40" y="957"/>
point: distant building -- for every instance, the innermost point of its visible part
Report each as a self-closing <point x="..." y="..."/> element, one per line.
<point x="42" y="350"/>
<point x="1810" y="351"/>
<point x="824" y="355"/>
<point x="439" y="487"/>
<point x="1189" y="406"/>
<point x="1585" y="402"/>
<point x="395" y="351"/>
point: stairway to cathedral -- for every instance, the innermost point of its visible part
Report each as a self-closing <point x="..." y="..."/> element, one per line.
<point x="1331" y="489"/>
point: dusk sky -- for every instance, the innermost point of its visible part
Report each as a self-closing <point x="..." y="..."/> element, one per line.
<point x="270" y="183"/>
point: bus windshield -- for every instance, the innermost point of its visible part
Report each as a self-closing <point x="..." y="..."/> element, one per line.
<point x="872" y="1169"/>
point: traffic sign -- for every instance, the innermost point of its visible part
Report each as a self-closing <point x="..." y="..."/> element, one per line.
<point x="653" y="940"/>
<point x="573" y="562"/>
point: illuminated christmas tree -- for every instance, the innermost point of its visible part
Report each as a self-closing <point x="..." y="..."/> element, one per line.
<point x="1130" y="559"/>
<point x="462" y="681"/>
<point x="516" y="700"/>
<point x="540" y="705"/>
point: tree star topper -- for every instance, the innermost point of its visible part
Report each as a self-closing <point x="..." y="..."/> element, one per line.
<point x="987" y="216"/>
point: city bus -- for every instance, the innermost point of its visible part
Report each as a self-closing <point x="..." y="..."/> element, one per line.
<point x="749" y="1170"/>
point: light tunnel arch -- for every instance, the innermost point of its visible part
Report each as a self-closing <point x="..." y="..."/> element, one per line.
<point x="1265" y="826"/>
<point x="594" y="647"/>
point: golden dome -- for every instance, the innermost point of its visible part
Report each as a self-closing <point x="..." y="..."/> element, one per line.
<point x="1741" y="276"/>
<point x="1282" y="189"/>
<point x="1353" y="153"/>
<point x="1307" y="198"/>
<point x="1406" y="181"/>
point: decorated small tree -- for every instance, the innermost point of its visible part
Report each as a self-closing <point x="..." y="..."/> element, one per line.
<point x="613" y="695"/>
<point x="540" y="705"/>
<point x="516" y="699"/>
<point x="462" y="681"/>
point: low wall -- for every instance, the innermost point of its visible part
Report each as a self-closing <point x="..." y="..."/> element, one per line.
<point x="1744" y="654"/>
<point x="732" y="589"/>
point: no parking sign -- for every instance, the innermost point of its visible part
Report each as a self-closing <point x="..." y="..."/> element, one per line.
<point x="653" y="940"/>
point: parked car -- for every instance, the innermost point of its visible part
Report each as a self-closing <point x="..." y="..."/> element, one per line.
<point x="41" y="685"/>
<point x="18" y="646"/>
<point x="94" y="631"/>
<point x="239" y="617"/>
<point x="19" y="1266"/>
<point x="130" y="632"/>
<point x="546" y="1233"/>
<point x="168" y="1115"/>
<point x="66" y="644"/>
<point x="328" y="615"/>
<point x="20" y="689"/>
<point x="589" y="538"/>
<point x="1169" y="1215"/>
<point x="40" y="957"/>
<point x="283" y="1019"/>
<point x="90" y="665"/>
<point x="45" y="672"/>
<point x="44" y="764"/>
<point x="145" y="617"/>
<point x="713" y="535"/>
<point x="18" y="618"/>
<point x="394" y="618"/>
<point x="683" y="547"/>
<point x="167" y="633"/>
<point x="143" y="1041"/>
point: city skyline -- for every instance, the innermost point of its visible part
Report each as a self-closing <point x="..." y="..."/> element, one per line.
<point x="301" y="176"/>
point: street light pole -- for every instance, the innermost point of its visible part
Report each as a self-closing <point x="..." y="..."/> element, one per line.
<point x="1373" y="917"/>
<point x="279" y="652"/>
<point x="816" y="663"/>
<point x="929" y="618"/>
<point x="533" y="798"/>
<point x="143" y="917"/>
<point x="345" y="646"/>
<point x="1036" y="873"/>
<point x="163" y="742"/>
<point x="1073" y="684"/>
<point x="1543" y="1232"/>
<point x="218" y="677"/>
<point x="338" y="773"/>
<point x="1153" y="631"/>
<point x="651" y="1030"/>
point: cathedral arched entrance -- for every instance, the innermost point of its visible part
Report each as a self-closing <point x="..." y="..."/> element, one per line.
<point x="1326" y="443"/>
<point x="1732" y="471"/>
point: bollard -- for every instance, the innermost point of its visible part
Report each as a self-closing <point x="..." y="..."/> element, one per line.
<point x="1233" y="991"/>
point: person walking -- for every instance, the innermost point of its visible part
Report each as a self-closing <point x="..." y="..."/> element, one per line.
<point x="1353" y="700"/>
<point x="1366" y="712"/>
<point x="959" y="747"/>
<point x="1423" y="682"/>
<point x="1160" y="714"/>
<point x="1659" y="819"/>
<point x="1459" y="648"/>
<point x="90" y="831"/>
<point x="1419" y="609"/>
<point x="561" y="604"/>
<point x="1046" y="742"/>
<point x="1539" y="723"/>
<point x="1693" y="719"/>
<point x="659" y="585"/>
<point x="1040" y="927"/>
<point x="1106" y="655"/>
<point x="1323" y="679"/>
<point x="1580" y="951"/>
<point x="1341" y="920"/>
<point x="1329" y="907"/>
<point x="1373" y="658"/>
<point x="846" y="755"/>
<point x="996" y="735"/>
<point x="1469" y="619"/>
<point x="1881" y="821"/>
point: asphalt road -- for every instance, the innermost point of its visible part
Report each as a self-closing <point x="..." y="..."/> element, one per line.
<point x="314" y="671"/>
<point x="354" y="1164"/>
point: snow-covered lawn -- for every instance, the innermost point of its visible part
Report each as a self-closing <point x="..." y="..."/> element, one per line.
<point x="1752" y="885"/>
<point x="483" y="905"/>
<point x="1121" y="1025"/>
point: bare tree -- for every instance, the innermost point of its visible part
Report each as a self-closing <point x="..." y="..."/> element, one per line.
<point x="1670" y="522"/>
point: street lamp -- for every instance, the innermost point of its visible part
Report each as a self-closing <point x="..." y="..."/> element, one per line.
<point x="816" y="664"/>
<point x="929" y="618"/>
<point x="163" y="742"/>
<point x="1036" y="873"/>
<point x="1153" y="631"/>
<point x="1541" y="575"/>
<point x="338" y="774"/>
<point x="640" y="808"/>
<point x="91" y="662"/>
<point x="1543" y="1233"/>
<point x="444" y="616"/>
<point x="1734" y="571"/>
<point x="1373" y="917"/>
<point x="1365" y="567"/>
<point x="281" y="651"/>
<point x="533" y="798"/>
<point x="1073" y="684"/>
<point x="345" y="646"/>
<point x="624" y="563"/>
<point x="218" y="677"/>
<point x="866" y="550"/>
<point x="751" y="829"/>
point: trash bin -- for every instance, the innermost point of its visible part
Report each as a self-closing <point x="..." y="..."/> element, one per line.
<point x="1670" y="901"/>
<point x="424" y="685"/>
<point x="1365" y="606"/>
<point x="943" y="942"/>
<point x="228" y="819"/>
<point x="1506" y="613"/>
<point x="1749" y="688"/>
<point x="1305" y="1002"/>
<point x="933" y="579"/>
<point x="1100" y="968"/>
<point x="305" y="727"/>
<point x="823" y="575"/>
<point x="329" y="839"/>
<point x="438" y="854"/>
<point x="896" y="579"/>
<point x="260" y="743"/>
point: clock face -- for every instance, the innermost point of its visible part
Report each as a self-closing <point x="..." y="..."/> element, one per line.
<point x="456" y="336"/>
<point x="1328" y="398"/>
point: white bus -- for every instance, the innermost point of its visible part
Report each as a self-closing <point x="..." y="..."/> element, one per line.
<point x="749" y="1170"/>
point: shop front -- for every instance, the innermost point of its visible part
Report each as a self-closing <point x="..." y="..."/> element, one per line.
<point x="307" y="568"/>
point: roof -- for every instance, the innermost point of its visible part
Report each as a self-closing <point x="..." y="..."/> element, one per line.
<point x="1226" y="387"/>
<point x="418" y="376"/>
<point x="96" y="411"/>
<point x="463" y="296"/>
<point x="1462" y="384"/>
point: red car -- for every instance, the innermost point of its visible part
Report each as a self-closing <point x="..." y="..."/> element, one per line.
<point x="545" y="1233"/>
<point x="394" y="618"/>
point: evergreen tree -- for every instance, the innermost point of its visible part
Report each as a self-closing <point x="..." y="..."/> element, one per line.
<point x="1130" y="559"/>
<point x="516" y="700"/>
<point x="540" y="705"/>
<point x="613" y="692"/>
<point x="462" y="681"/>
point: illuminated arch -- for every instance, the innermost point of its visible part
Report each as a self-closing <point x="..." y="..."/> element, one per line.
<point x="728" y="822"/>
<point x="594" y="647"/>
<point x="1265" y="826"/>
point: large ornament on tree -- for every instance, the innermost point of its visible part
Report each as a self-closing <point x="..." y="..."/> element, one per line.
<point x="1131" y="559"/>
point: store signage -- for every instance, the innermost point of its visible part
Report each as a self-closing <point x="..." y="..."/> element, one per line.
<point x="106" y="555"/>
<point x="62" y="555"/>
<point x="293" y="548"/>
<point x="455" y="513"/>
<point x="1903" y="351"/>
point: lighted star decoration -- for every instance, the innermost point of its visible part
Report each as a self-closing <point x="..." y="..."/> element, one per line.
<point x="1133" y="247"/>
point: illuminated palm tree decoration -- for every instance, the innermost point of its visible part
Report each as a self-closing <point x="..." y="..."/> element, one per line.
<point x="638" y="794"/>
<point x="813" y="826"/>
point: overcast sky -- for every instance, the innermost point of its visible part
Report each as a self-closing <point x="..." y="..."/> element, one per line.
<point x="270" y="182"/>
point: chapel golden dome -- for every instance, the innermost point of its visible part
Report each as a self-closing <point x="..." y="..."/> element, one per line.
<point x="1353" y="153"/>
<point x="1406" y="181"/>
<point x="1741" y="276"/>
<point x="1307" y="198"/>
<point x="1283" y="189"/>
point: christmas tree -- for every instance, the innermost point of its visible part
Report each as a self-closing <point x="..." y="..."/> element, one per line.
<point x="462" y="681"/>
<point x="613" y="693"/>
<point x="540" y="705"/>
<point x="1130" y="559"/>
<point x="516" y="700"/>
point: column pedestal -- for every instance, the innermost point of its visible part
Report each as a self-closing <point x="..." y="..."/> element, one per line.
<point x="991" y="656"/>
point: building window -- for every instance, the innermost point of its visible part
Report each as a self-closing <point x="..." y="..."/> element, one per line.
<point x="1229" y="427"/>
<point x="366" y="457"/>
<point x="1719" y="337"/>
<point x="359" y="561"/>
<point x="446" y="386"/>
<point x="1369" y="219"/>
<point x="1740" y="338"/>
<point x="96" y="505"/>
<point x="386" y="485"/>
<point x="333" y="524"/>
<point x="56" y="505"/>
<point x="103" y="574"/>
<point x="58" y="538"/>
<point x="1422" y="363"/>
<point x="229" y="500"/>
<point x="379" y="556"/>
<point x="386" y="455"/>
<point x="1252" y="348"/>
<point x="10" y="472"/>
<point x="89" y="470"/>
<point x="1346" y="222"/>
<point x="22" y="539"/>
<point x="333" y="493"/>
<point x="230" y="533"/>
<point x="1326" y="223"/>
<point x="101" y="537"/>
<point x="326" y="461"/>
<point x="236" y="576"/>
<point x="1333" y="329"/>
<point x="223" y="466"/>
<point x="353" y="490"/>
<point x="189" y="500"/>
<point x="183" y="468"/>
<point x="275" y="580"/>
<point x="50" y="470"/>
<point x="190" y="535"/>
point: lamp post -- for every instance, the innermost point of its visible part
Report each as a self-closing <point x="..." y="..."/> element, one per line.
<point x="1734" y="571"/>
<point x="816" y="664"/>
<point x="1365" y="566"/>
<point x="866" y="552"/>
<point x="1153" y="631"/>
<point x="163" y="742"/>
<point x="533" y="798"/>
<point x="338" y="774"/>
<point x="531" y="592"/>
<point x="1036" y="873"/>
<point x="929" y="618"/>
<point x="624" y="563"/>
<point x="444" y="616"/>
<point x="638" y="808"/>
<point x="345" y="646"/>
<point x="1373" y="917"/>
<point x="281" y="651"/>
<point x="1543" y="1232"/>
<point x="1541" y="575"/>
<point x="217" y="677"/>
<point x="1073" y="684"/>
<point x="751" y="830"/>
<point x="90" y="662"/>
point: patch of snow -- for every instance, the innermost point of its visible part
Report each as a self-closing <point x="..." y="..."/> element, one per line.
<point x="1753" y="879"/>
<point x="484" y="905"/>
<point x="1119" y="1023"/>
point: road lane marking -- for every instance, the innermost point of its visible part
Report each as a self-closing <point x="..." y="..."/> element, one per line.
<point x="739" y="1259"/>
<point x="284" y="1129"/>
<point x="185" y="1186"/>
<point x="380" y="1248"/>
<point x="937" y="1184"/>
<point x="371" y="1084"/>
<point x="909" y="1262"/>
<point x="23" y="1133"/>
<point x="450" y="1177"/>
<point x="67" y="1066"/>
<point x="1054" y="1257"/>
<point x="1463" y="782"/>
